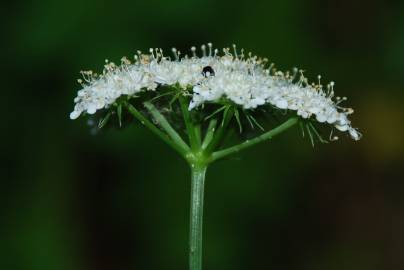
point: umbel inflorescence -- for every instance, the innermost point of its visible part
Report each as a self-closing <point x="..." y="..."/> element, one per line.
<point x="246" y="81"/>
<point x="209" y="91"/>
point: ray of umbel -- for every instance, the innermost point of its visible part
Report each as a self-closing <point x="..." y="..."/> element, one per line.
<point x="194" y="102"/>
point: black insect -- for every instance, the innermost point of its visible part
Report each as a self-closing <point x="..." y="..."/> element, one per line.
<point x="208" y="71"/>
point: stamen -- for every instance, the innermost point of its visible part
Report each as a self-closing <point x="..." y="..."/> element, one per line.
<point x="125" y="61"/>
<point x="210" y="48"/>
<point x="235" y="51"/>
<point x="242" y="53"/>
<point x="203" y="48"/>
<point x="161" y="53"/>
<point x="176" y="56"/>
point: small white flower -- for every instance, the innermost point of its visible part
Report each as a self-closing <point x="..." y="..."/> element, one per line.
<point x="246" y="81"/>
<point x="281" y="103"/>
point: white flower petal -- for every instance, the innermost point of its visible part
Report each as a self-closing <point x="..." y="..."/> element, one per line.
<point x="74" y="115"/>
<point x="281" y="104"/>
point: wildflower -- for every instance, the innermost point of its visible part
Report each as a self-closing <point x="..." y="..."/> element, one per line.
<point x="233" y="81"/>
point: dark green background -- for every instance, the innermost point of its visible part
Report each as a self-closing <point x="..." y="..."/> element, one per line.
<point x="119" y="200"/>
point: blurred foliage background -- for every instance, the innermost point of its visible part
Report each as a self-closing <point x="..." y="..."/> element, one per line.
<point x="119" y="200"/>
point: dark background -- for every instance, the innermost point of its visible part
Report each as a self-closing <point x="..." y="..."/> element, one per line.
<point x="119" y="200"/>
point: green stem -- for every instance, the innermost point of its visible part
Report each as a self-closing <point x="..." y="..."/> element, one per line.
<point x="198" y="157"/>
<point x="191" y="128"/>
<point x="266" y="136"/>
<point x="196" y="216"/>
<point x="162" y="121"/>
<point x="209" y="133"/>
<point x="139" y="116"/>
<point x="197" y="128"/>
<point x="227" y="115"/>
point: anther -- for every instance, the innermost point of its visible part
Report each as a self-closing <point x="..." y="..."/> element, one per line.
<point x="349" y="111"/>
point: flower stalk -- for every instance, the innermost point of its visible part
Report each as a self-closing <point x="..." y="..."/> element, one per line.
<point x="248" y="143"/>
<point x="199" y="154"/>
<point x="196" y="216"/>
<point x="178" y="147"/>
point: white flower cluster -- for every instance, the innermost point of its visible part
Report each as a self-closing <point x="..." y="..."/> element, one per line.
<point x="245" y="80"/>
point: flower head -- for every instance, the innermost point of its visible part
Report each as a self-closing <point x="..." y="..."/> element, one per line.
<point x="245" y="80"/>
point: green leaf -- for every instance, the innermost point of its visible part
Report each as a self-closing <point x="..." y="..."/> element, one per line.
<point x="256" y="122"/>
<point x="236" y="114"/>
<point x="226" y="111"/>
<point x="301" y="125"/>
<point x="249" y="120"/>
<point x="162" y="95"/>
<point x="215" y="112"/>
<point x="175" y="97"/>
<point x="119" y="113"/>
<point x="310" y="135"/>
<point x="320" y="138"/>
<point x="104" y="120"/>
